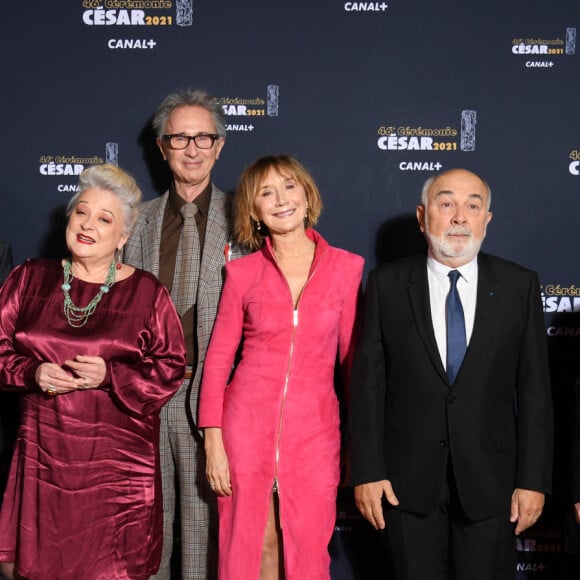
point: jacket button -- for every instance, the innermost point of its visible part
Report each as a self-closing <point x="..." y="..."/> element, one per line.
<point x="443" y="443"/>
<point x="451" y="398"/>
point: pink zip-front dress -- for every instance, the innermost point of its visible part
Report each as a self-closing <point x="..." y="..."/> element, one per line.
<point x="279" y="414"/>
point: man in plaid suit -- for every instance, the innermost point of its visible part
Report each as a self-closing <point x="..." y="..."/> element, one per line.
<point x="187" y="253"/>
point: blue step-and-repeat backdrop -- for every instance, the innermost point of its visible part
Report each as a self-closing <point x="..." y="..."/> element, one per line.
<point x="373" y="97"/>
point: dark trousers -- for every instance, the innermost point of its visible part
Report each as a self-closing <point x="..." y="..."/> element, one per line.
<point x="446" y="545"/>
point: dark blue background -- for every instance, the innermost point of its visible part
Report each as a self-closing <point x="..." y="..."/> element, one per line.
<point x="342" y="75"/>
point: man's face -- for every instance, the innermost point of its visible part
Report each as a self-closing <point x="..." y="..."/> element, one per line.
<point x="191" y="167"/>
<point x="455" y="217"/>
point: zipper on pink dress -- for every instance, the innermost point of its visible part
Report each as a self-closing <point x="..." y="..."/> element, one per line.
<point x="284" y="392"/>
<point x="276" y="485"/>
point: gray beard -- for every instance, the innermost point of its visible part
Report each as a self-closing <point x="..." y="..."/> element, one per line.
<point x="443" y="249"/>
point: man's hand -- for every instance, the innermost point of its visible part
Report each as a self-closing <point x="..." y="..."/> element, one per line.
<point x="526" y="508"/>
<point x="577" y="512"/>
<point x="368" y="496"/>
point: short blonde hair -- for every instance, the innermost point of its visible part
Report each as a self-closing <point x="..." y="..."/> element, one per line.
<point x="249" y="185"/>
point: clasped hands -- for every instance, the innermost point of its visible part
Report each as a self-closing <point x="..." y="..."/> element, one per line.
<point x="81" y="373"/>
<point x="526" y="505"/>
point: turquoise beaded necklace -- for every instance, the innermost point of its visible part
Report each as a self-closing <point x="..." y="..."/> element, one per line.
<point x="77" y="317"/>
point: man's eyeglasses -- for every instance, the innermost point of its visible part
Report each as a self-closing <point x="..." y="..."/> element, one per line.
<point x="181" y="141"/>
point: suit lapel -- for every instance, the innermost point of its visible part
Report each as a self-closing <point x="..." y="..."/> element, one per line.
<point x="485" y="318"/>
<point x="152" y="234"/>
<point x="418" y="290"/>
<point x="216" y="238"/>
<point x="485" y="308"/>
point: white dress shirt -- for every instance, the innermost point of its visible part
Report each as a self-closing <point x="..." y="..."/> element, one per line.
<point x="439" y="284"/>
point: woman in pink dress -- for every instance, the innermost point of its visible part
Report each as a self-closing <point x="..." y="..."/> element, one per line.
<point x="287" y="314"/>
<point x="96" y="348"/>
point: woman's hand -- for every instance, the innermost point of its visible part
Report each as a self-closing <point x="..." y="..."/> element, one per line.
<point x="54" y="380"/>
<point x="89" y="371"/>
<point x="217" y="465"/>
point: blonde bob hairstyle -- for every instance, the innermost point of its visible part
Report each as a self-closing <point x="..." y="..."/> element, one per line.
<point x="249" y="186"/>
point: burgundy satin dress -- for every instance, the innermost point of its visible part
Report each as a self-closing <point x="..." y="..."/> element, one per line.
<point x="83" y="500"/>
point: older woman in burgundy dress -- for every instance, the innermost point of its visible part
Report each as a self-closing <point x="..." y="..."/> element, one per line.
<point x="96" y="347"/>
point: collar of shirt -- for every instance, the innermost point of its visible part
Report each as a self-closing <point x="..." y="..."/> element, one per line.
<point x="441" y="272"/>
<point x="202" y="201"/>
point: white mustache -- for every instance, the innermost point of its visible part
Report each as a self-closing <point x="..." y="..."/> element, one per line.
<point x="458" y="231"/>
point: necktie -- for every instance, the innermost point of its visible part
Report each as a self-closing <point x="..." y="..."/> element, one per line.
<point x="456" y="341"/>
<point x="184" y="288"/>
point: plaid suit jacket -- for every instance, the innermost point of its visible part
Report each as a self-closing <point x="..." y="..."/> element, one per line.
<point x="142" y="251"/>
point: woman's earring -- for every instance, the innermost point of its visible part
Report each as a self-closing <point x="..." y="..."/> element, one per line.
<point x="118" y="259"/>
<point x="258" y="225"/>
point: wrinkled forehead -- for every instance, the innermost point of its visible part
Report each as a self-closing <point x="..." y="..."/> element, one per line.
<point x="190" y="116"/>
<point x="460" y="184"/>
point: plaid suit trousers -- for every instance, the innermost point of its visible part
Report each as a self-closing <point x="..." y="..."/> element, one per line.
<point x="185" y="488"/>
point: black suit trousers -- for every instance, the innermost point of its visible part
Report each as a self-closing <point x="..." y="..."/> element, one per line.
<point x="446" y="545"/>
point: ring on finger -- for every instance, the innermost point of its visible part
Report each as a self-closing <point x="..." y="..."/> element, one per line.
<point x="52" y="390"/>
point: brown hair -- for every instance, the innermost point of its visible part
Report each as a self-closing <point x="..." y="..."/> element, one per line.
<point x="249" y="186"/>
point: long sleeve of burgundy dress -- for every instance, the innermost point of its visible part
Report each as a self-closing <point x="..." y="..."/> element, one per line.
<point x="83" y="500"/>
<point x="279" y="413"/>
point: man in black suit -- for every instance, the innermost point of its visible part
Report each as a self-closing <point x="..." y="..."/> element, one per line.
<point x="451" y="417"/>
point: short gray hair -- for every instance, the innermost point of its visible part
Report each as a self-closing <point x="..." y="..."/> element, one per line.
<point x="189" y="98"/>
<point x="113" y="179"/>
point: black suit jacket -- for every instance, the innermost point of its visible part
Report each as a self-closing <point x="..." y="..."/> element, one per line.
<point x="494" y="423"/>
